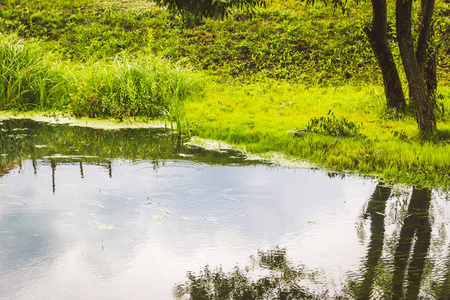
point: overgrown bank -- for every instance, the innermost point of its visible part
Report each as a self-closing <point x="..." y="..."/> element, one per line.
<point x="120" y="59"/>
<point x="32" y="79"/>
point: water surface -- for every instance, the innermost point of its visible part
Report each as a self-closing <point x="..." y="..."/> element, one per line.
<point x="125" y="214"/>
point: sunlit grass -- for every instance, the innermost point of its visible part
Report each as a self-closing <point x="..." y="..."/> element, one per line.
<point x="144" y="86"/>
<point x="264" y="117"/>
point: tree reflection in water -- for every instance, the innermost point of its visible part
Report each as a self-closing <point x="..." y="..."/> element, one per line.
<point x="401" y="278"/>
<point x="271" y="276"/>
<point x="276" y="278"/>
<point x="45" y="143"/>
<point x="376" y="211"/>
<point x="412" y="249"/>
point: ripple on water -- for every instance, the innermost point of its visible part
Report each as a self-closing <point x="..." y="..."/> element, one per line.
<point x="206" y="204"/>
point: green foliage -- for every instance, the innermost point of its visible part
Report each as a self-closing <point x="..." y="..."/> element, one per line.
<point x="312" y="45"/>
<point x="274" y="44"/>
<point x="401" y="135"/>
<point x="87" y="30"/>
<point x="141" y="87"/>
<point x="125" y="87"/>
<point x="193" y="11"/>
<point x="331" y="125"/>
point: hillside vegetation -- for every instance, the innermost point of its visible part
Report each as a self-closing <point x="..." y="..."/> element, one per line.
<point x="286" y="40"/>
<point x="293" y="79"/>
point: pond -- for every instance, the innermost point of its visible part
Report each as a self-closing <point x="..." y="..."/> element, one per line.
<point x="138" y="214"/>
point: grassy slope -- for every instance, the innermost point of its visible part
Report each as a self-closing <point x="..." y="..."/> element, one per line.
<point x="267" y="70"/>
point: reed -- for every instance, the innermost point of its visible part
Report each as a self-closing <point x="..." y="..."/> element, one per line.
<point x="28" y="78"/>
<point x="127" y="87"/>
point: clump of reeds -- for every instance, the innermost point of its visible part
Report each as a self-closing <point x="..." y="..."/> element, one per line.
<point x="29" y="79"/>
<point x="126" y="87"/>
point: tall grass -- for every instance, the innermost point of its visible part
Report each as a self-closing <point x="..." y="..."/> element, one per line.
<point x="31" y="78"/>
<point x="150" y="87"/>
<point x="28" y="79"/>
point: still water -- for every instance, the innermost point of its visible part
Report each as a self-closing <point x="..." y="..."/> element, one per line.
<point x="126" y="214"/>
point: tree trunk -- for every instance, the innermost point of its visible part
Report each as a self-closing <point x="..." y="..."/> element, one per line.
<point x="430" y="77"/>
<point x="417" y="86"/>
<point x="377" y="36"/>
<point x="425" y="53"/>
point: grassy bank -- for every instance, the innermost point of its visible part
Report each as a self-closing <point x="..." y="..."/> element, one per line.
<point x="296" y="121"/>
<point x="300" y="81"/>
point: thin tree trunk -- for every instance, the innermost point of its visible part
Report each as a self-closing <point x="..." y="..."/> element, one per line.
<point x="430" y="75"/>
<point x="417" y="87"/>
<point x="377" y="36"/>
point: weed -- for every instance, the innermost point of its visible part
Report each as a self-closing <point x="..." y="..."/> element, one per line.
<point x="400" y="134"/>
<point x="330" y="125"/>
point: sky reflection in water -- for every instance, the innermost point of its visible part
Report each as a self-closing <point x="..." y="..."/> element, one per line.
<point x="130" y="228"/>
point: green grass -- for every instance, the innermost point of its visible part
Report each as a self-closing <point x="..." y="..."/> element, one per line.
<point x="287" y="41"/>
<point x="266" y="118"/>
<point x="257" y="83"/>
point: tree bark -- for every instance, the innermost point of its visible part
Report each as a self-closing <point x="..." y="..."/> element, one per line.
<point x="425" y="53"/>
<point x="417" y="86"/>
<point x="377" y="36"/>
